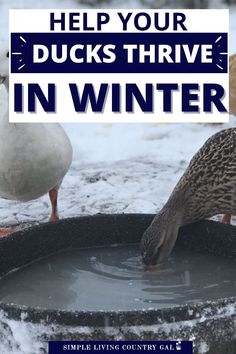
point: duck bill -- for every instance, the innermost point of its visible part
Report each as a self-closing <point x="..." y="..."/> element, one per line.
<point x="151" y="267"/>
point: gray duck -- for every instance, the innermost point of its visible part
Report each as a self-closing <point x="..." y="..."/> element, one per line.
<point x="207" y="188"/>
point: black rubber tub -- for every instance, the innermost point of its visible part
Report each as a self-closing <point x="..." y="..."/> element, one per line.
<point x="211" y="325"/>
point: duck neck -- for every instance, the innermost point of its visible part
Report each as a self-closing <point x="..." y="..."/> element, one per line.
<point x="166" y="225"/>
<point x="174" y="209"/>
<point x="171" y="216"/>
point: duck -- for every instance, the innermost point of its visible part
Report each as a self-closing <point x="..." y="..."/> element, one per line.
<point x="232" y="104"/>
<point x="34" y="158"/>
<point x="207" y="188"/>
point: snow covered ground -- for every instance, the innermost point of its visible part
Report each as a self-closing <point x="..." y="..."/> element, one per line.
<point x="118" y="168"/>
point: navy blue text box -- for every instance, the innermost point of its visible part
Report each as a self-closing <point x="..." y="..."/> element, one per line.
<point x="158" y="347"/>
<point x="22" y="52"/>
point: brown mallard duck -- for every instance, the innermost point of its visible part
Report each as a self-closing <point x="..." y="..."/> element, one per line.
<point x="207" y="188"/>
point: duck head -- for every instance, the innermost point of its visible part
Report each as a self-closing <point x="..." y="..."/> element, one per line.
<point x="4" y="61"/>
<point x="159" y="239"/>
<point x="151" y="245"/>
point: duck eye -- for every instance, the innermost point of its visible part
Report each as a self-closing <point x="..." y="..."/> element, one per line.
<point x="7" y="54"/>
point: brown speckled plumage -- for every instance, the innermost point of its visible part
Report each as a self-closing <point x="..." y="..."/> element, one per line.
<point x="207" y="188"/>
<point x="209" y="183"/>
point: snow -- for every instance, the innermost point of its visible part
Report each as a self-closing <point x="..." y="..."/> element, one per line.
<point x="116" y="167"/>
<point x="21" y="337"/>
<point x="121" y="168"/>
